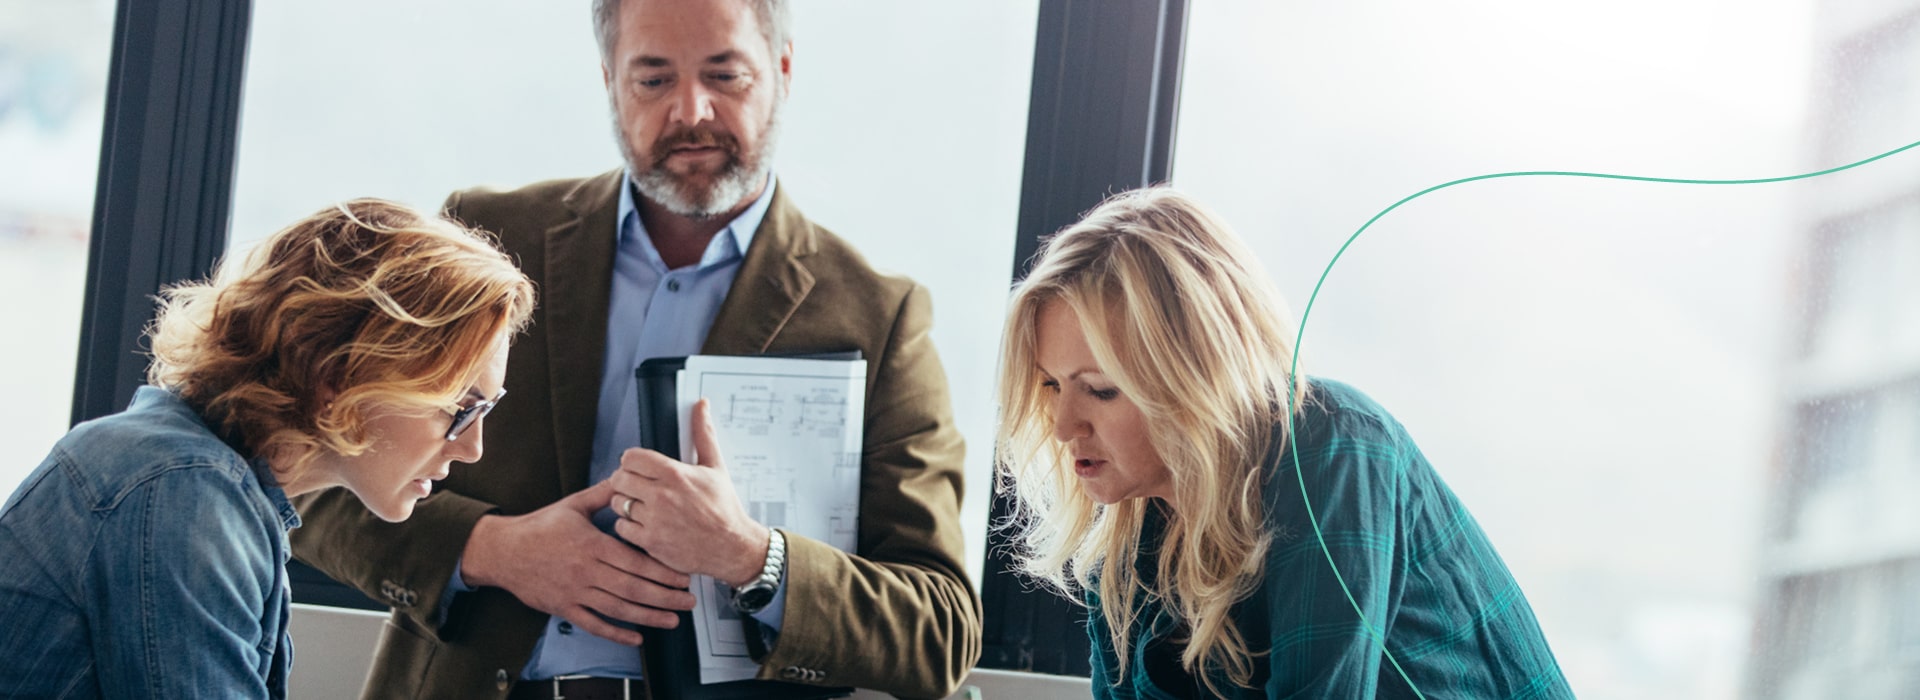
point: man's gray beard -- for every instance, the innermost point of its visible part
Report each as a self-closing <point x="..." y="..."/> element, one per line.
<point x="730" y="188"/>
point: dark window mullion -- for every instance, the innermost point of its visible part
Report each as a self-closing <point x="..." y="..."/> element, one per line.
<point x="164" y="195"/>
<point x="1106" y="90"/>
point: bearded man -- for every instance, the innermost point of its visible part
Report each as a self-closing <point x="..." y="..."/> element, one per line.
<point x="520" y="577"/>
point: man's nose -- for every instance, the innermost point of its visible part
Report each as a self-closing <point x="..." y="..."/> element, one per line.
<point x="693" y="103"/>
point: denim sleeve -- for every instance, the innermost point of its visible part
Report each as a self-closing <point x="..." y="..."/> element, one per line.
<point x="187" y="567"/>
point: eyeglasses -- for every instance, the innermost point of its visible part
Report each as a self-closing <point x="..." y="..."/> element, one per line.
<point x="465" y="416"/>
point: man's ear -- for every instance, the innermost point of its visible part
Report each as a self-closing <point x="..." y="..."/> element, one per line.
<point x="786" y="67"/>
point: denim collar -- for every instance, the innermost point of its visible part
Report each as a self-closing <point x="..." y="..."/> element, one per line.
<point x="289" y="516"/>
<point x="170" y="400"/>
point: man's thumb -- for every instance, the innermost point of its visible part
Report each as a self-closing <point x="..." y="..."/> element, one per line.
<point x="591" y="498"/>
<point x="706" y="439"/>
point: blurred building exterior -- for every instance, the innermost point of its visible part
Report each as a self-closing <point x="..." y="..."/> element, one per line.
<point x="1840" y="553"/>
<point x="53" y="81"/>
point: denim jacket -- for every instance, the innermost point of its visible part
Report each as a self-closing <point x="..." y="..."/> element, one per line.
<point x="145" y="558"/>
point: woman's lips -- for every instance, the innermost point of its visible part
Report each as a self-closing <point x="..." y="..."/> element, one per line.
<point x="1084" y="468"/>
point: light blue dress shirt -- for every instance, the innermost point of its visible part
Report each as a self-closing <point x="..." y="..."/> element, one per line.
<point x="654" y="312"/>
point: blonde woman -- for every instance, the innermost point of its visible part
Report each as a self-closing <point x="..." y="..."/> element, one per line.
<point x="145" y="557"/>
<point x="1145" y="394"/>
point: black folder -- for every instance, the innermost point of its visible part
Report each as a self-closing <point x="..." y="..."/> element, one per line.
<point x="671" y="658"/>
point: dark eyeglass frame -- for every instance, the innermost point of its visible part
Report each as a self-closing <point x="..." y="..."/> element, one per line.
<point x="465" y="416"/>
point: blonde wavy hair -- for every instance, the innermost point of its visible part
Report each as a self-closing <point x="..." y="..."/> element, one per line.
<point x="1178" y="313"/>
<point x="383" y="306"/>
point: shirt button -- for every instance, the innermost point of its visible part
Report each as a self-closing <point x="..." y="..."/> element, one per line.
<point x="566" y="627"/>
<point x="673" y="285"/>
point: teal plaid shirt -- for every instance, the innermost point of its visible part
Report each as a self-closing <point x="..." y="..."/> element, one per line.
<point x="1415" y="560"/>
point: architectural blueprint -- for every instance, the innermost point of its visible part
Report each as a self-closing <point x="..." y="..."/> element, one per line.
<point x="789" y="433"/>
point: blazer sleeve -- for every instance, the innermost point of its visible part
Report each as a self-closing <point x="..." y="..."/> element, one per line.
<point x="407" y="565"/>
<point x="900" y="616"/>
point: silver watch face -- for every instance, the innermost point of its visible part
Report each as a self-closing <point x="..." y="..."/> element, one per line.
<point x="754" y="597"/>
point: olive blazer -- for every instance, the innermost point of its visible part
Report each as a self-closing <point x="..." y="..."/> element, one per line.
<point x="898" y="615"/>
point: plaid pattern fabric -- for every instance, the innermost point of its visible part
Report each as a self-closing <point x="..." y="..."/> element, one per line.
<point x="1430" y="584"/>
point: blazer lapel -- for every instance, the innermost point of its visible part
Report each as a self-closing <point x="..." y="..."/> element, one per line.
<point x="771" y="284"/>
<point x="578" y="286"/>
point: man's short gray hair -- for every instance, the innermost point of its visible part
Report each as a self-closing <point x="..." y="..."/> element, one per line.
<point x="776" y="25"/>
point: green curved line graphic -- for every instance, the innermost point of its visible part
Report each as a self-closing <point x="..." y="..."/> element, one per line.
<point x="1299" y="338"/>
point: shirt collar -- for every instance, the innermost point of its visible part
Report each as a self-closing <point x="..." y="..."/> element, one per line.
<point x="731" y="243"/>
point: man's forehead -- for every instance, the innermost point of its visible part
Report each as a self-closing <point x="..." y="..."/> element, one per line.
<point x="698" y="31"/>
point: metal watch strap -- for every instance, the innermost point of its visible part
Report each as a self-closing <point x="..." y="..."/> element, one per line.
<point x="754" y="596"/>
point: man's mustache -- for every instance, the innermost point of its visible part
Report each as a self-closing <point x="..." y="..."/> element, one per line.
<point x="693" y="138"/>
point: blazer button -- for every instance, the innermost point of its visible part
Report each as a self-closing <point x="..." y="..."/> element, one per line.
<point x="396" y="594"/>
<point x="791" y="673"/>
<point x="500" y="679"/>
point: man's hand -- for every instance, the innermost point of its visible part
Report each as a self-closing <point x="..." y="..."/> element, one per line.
<point x="687" y="515"/>
<point x="557" y="562"/>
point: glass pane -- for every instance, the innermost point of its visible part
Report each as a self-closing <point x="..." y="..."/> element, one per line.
<point x="53" y="84"/>
<point x="903" y="140"/>
<point x="1684" y="413"/>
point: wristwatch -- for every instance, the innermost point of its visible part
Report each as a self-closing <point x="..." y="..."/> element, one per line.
<point x="756" y="594"/>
